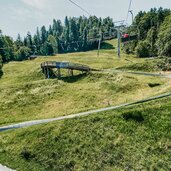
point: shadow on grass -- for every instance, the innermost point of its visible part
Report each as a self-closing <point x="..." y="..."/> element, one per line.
<point x="72" y="79"/>
<point x="134" y="116"/>
<point x="108" y="46"/>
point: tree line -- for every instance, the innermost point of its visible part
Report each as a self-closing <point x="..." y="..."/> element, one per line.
<point x="75" y="34"/>
<point x="81" y="34"/>
<point x="153" y="30"/>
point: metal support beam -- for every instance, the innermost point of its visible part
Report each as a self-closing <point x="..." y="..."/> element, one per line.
<point x="119" y="37"/>
<point x="48" y="75"/>
<point x="100" y="39"/>
<point x="132" y="15"/>
<point x="72" y="72"/>
<point x="44" y="71"/>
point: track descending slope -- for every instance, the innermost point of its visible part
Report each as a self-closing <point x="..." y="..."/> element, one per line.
<point x="37" y="122"/>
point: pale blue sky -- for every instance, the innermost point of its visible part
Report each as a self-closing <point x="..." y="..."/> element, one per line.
<point x="20" y="16"/>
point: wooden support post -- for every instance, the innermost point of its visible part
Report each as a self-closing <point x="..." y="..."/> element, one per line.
<point x="72" y="73"/>
<point x="119" y="36"/>
<point x="59" y="73"/>
<point x="48" y="75"/>
<point x="44" y="71"/>
<point x="68" y="72"/>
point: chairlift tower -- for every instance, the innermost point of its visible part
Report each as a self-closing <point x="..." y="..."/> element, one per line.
<point x="131" y="11"/>
<point x="119" y="42"/>
<point x="118" y="28"/>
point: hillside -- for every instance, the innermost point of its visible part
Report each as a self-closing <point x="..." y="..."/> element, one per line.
<point x="24" y="88"/>
<point x="131" y="138"/>
<point x="136" y="138"/>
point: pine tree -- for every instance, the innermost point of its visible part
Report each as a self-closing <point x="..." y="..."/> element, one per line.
<point x="72" y="36"/>
<point x="50" y="32"/>
<point x="5" y="51"/>
<point x="66" y="32"/>
<point x="164" y="38"/>
<point x="43" y="34"/>
<point x="37" y="41"/>
<point x="85" y="39"/>
<point x="23" y="53"/>
<point x="29" y="40"/>
<point x="18" y="42"/>
<point x="1" y="64"/>
<point x="73" y="32"/>
<point x="52" y="45"/>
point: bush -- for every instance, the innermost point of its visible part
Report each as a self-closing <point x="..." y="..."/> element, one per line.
<point x="165" y="64"/>
<point x="129" y="47"/>
<point x="143" y="49"/>
<point x="23" y="53"/>
<point x="164" y="38"/>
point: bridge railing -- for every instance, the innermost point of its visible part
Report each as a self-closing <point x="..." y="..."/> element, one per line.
<point x="48" y="64"/>
<point x="65" y="65"/>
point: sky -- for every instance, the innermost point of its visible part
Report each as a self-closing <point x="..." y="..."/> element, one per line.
<point x="21" y="16"/>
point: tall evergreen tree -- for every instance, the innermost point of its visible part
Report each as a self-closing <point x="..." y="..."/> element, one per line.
<point x="74" y="30"/>
<point x="53" y="46"/>
<point x="164" y="38"/>
<point x="4" y="49"/>
<point x="147" y="26"/>
<point x="67" y="29"/>
<point x="85" y="38"/>
<point x="73" y="35"/>
<point x="50" y="32"/>
<point x="23" y="53"/>
<point x="18" y="42"/>
<point x="43" y="35"/>
<point x="1" y="64"/>
<point x="29" y="40"/>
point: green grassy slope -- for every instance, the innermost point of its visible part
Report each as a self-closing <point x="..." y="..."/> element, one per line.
<point x="134" y="138"/>
<point x="26" y="95"/>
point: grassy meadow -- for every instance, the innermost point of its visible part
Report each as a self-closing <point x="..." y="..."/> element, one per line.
<point x="27" y="95"/>
<point x="134" y="138"/>
<point x="131" y="138"/>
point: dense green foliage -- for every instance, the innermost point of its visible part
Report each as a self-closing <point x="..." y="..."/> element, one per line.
<point x="1" y="64"/>
<point x="142" y="49"/>
<point x="76" y="34"/>
<point x="164" y="38"/>
<point x="135" y="138"/>
<point x="81" y="34"/>
<point x="6" y="48"/>
<point x="22" y="53"/>
<point x="10" y="50"/>
<point x="153" y="31"/>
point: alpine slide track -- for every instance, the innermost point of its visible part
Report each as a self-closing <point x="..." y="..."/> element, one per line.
<point x="49" y="67"/>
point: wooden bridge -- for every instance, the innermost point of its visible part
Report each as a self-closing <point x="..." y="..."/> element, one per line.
<point x="47" y="68"/>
